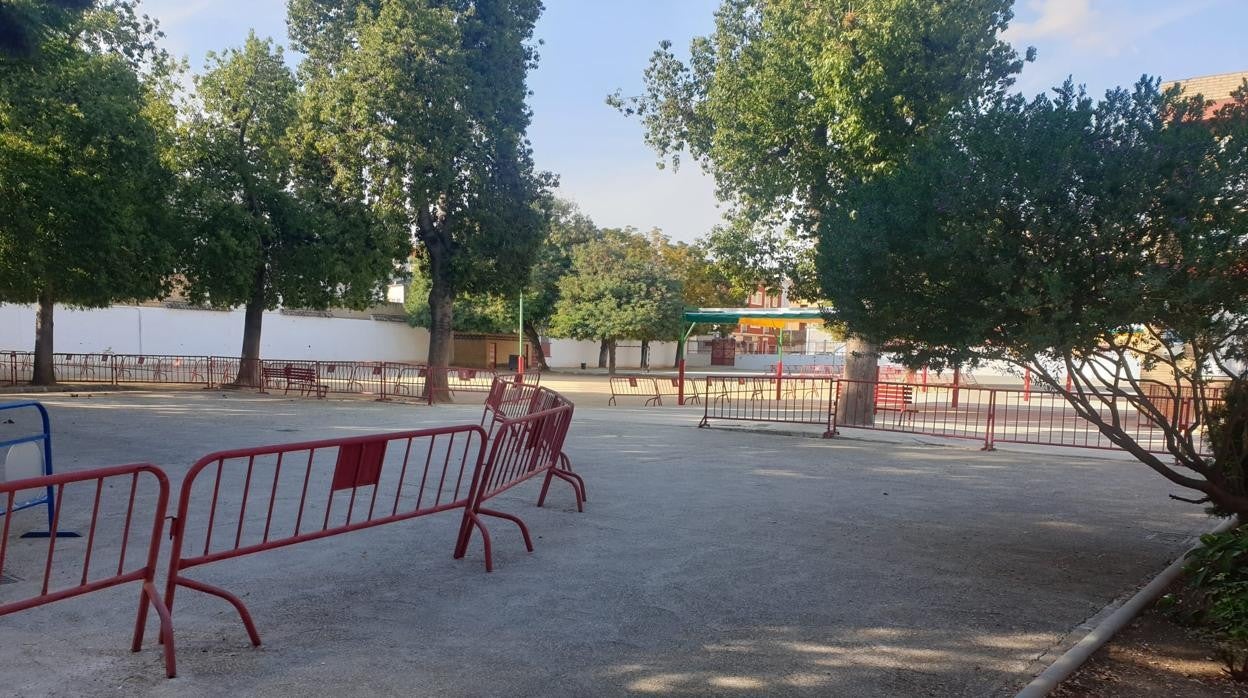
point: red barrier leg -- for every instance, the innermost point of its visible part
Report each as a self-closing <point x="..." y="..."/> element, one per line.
<point x="150" y="595"/>
<point x="461" y="549"/>
<point x="567" y="477"/>
<point x="524" y="530"/>
<point x="234" y="601"/>
<point x="565" y="464"/>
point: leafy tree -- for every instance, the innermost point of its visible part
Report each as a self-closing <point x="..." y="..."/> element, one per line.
<point x="703" y="283"/>
<point x="1069" y="237"/>
<point x="268" y="229"/>
<point x="25" y="24"/>
<point x="474" y="312"/>
<point x="749" y="257"/>
<point x="618" y="288"/>
<point x="84" y="194"/>
<point x="791" y="101"/>
<point x="569" y="227"/>
<point x="420" y="107"/>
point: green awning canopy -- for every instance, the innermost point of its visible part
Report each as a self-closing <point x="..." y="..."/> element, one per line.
<point x="771" y="317"/>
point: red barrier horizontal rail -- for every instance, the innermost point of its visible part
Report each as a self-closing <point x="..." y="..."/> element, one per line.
<point x="228" y="503"/>
<point x="69" y="575"/>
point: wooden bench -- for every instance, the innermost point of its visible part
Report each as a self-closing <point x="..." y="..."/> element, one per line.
<point x="898" y="399"/>
<point x="302" y="377"/>
<point x="635" y="386"/>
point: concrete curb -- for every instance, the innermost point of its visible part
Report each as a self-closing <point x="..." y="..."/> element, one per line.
<point x="1070" y="661"/>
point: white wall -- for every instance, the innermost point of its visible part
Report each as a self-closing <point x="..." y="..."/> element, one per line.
<point x="571" y="353"/>
<point x="154" y="330"/>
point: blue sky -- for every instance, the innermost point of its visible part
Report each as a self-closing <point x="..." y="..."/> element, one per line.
<point x="593" y="47"/>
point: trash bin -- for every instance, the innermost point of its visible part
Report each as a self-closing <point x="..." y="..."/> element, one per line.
<point x="513" y="362"/>
<point x="582" y="365"/>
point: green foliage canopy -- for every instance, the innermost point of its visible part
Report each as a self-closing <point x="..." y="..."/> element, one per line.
<point x="1068" y="236"/>
<point x="619" y="287"/>
<point x="84" y="193"/>
<point x="268" y="228"/>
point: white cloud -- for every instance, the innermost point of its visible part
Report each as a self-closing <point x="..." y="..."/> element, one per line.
<point x="1100" y="28"/>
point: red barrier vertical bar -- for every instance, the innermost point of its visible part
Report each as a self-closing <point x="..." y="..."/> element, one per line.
<point x="125" y="531"/>
<point x="47" y="570"/>
<point x="95" y="513"/>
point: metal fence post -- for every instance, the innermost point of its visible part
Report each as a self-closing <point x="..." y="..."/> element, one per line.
<point x="112" y="368"/>
<point x="992" y="421"/>
<point x="833" y="394"/>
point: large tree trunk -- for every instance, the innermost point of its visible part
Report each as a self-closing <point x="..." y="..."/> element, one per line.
<point x="44" y="370"/>
<point x="611" y="357"/>
<point x="441" y="332"/>
<point x="603" y="348"/>
<point x="645" y="354"/>
<point x="539" y="357"/>
<point x="249" y="374"/>
<point x="856" y="403"/>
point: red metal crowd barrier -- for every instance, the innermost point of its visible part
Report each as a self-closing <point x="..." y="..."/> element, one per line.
<point x="227" y="503"/>
<point x="521" y="448"/>
<point x="66" y="577"/>
<point x="801" y="400"/>
<point x="938" y="410"/>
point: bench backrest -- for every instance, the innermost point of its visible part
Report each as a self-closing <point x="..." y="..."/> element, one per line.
<point x="300" y="373"/>
<point x="893" y="395"/>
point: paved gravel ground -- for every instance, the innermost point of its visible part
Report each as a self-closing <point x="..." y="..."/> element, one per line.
<point x="708" y="561"/>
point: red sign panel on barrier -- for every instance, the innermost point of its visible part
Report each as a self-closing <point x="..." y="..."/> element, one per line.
<point x="359" y="465"/>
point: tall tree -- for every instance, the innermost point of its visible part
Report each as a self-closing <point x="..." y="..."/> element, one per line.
<point x="84" y="193"/>
<point x="268" y="229"/>
<point x="420" y="107"/>
<point x="1094" y="242"/>
<point x="618" y="288"/>
<point x="789" y="101"/>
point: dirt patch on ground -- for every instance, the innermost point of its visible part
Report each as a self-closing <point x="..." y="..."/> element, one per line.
<point x="1154" y="656"/>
